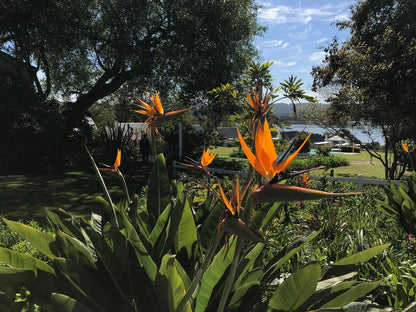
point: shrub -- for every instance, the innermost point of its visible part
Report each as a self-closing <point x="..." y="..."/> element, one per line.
<point x="316" y="161"/>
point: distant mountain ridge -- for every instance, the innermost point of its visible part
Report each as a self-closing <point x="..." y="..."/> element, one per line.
<point x="285" y="110"/>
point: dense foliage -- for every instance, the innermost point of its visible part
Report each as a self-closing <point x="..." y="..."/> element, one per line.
<point x="372" y="75"/>
<point x="183" y="48"/>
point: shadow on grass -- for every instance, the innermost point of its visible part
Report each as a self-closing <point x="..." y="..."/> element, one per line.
<point x="26" y="197"/>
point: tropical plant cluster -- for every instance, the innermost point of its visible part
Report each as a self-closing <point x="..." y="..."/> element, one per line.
<point x="169" y="252"/>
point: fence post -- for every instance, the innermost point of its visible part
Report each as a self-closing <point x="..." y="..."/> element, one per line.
<point x="360" y="182"/>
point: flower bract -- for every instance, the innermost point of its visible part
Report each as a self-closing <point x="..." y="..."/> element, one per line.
<point x="156" y="114"/>
<point x="266" y="161"/>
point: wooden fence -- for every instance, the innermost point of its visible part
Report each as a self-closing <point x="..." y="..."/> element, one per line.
<point x="359" y="180"/>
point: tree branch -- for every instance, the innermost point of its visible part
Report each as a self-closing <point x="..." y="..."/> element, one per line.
<point x="105" y="85"/>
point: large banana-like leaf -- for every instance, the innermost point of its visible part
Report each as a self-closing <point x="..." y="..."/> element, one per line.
<point x="16" y="277"/>
<point x="172" y="284"/>
<point x="209" y="227"/>
<point x="296" y="289"/>
<point x="85" y="286"/>
<point x="363" y="256"/>
<point x="246" y="281"/>
<point x="213" y="275"/>
<point x="287" y="193"/>
<point x="328" y="289"/>
<point x="63" y="221"/>
<point x="186" y="235"/>
<point x="159" y="193"/>
<point x="174" y="221"/>
<point x="110" y="262"/>
<point x="18" y="260"/>
<point x="352" y="294"/>
<point x="160" y="226"/>
<point x="142" y="254"/>
<point x="74" y="249"/>
<point x="64" y="303"/>
<point x="248" y="260"/>
<point x="42" y="241"/>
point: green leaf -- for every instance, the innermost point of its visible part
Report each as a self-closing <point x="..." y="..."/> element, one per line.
<point x="15" y="277"/>
<point x="159" y="193"/>
<point x="363" y="256"/>
<point x="63" y="221"/>
<point x="213" y="275"/>
<point x="209" y="227"/>
<point x="175" y="219"/>
<point x="186" y="235"/>
<point x="175" y="285"/>
<point x="269" y="216"/>
<point x="296" y="289"/>
<point x="160" y="225"/>
<point x="285" y="254"/>
<point x="42" y="241"/>
<point x="244" y="283"/>
<point x="328" y="288"/>
<point x="64" y="303"/>
<point x="142" y="254"/>
<point x="74" y="249"/>
<point x="18" y="260"/>
<point x="352" y="294"/>
<point x="247" y="262"/>
<point x="109" y="260"/>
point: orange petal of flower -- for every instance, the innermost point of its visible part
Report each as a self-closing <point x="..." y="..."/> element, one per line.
<point x="157" y="103"/>
<point x="265" y="151"/>
<point x="118" y="159"/>
<point x="405" y="147"/>
<point x="285" y="163"/>
<point x="250" y="156"/>
<point x="207" y="158"/>
<point x="226" y="201"/>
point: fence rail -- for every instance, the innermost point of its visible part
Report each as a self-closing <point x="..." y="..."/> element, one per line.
<point x="359" y="180"/>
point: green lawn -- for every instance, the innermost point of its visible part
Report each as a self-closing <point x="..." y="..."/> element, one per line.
<point x="27" y="197"/>
<point x="360" y="163"/>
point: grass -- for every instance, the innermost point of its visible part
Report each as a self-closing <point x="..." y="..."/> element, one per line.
<point x="360" y="163"/>
<point x="26" y="197"/>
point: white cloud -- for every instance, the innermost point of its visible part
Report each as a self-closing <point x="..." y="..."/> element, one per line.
<point x="284" y="64"/>
<point x="322" y="40"/>
<point x="317" y="56"/>
<point x="278" y="14"/>
<point x="275" y="43"/>
<point x="339" y="18"/>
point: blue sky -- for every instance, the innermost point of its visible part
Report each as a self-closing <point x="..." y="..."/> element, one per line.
<point x="297" y="32"/>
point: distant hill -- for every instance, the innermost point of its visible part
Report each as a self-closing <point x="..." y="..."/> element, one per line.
<point x="285" y="111"/>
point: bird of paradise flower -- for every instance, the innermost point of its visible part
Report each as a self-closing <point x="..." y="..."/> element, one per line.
<point x="115" y="171"/>
<point x="229" y="220"/>
<point x="206" y="159"/>
<point x="271" y="167"/>
<point x="156" y="114"/>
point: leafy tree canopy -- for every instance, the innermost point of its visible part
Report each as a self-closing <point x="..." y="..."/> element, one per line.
<point x="374" y="71"/>
<point x="86" y="50"/>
